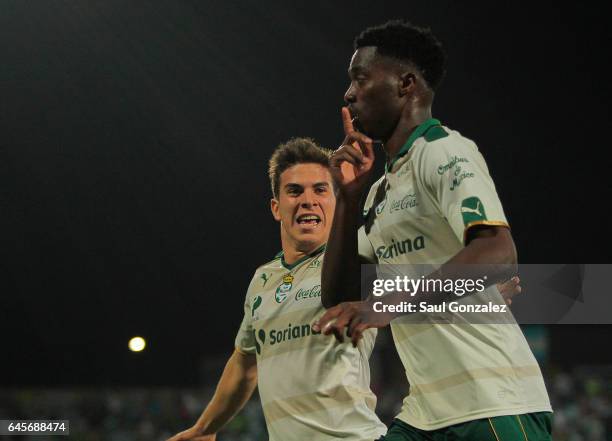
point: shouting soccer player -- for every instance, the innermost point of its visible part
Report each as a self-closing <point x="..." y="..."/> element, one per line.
<point x="310" y="387"/>
<point x="436" y="204"/>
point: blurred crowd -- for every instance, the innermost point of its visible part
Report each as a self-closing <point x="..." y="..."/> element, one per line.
<point x="581" y="398"/>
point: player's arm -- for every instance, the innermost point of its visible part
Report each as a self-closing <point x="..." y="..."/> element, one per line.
<point x="341" y="273"/>
<point x="235" y="387"/>
<point x="490" y="252"/>
<point x="458" y="179"/>
<point x="351" y="166"/>
<point x="492" y="244"/>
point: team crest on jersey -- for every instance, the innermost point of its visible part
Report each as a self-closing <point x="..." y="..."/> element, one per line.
<point x="284" y="288"/>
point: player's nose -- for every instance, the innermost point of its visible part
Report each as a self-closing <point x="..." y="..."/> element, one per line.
<point x="349" y="95"/>
<point x="308" y="199"/>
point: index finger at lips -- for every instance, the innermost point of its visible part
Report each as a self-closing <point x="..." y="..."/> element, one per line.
<point x="368" y="151"/>
<point x="347" y="121"/>
<point x="364" y="143"/>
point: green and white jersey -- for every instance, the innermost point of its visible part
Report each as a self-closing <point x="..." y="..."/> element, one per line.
<point x="311" y="387"/>
<point x="418" y="213"/>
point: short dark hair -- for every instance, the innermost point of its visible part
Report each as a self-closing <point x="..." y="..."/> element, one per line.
<point x="406" y="42"/>
<point x="293" y="152"/>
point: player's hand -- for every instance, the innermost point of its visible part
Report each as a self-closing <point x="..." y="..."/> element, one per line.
<point x="509" y="289"/>
<point x="355" y="316"/>
<point x="353" y="161"/>
<point x="192" y="434"/>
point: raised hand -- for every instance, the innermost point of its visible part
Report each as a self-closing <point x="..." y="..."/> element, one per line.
<point x="352" y="162"/>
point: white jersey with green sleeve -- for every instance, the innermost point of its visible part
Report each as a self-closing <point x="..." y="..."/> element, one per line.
<point x="419" y="212"/>
<point x="311" y="387"/>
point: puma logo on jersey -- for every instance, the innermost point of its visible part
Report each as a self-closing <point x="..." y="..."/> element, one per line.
<point x="472" y="210"/>
<point x="265" y="279"/>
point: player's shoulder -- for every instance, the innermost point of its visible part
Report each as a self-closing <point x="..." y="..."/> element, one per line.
<point x="441" y="135"/>
<point x="263" y="273"/>
<point x="274" y="263"/>
<point x="441" y="142"/>
<point x="436" y="133"/>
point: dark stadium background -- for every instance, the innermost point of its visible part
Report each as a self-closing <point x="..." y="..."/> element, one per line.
<point x="134" y="139"/>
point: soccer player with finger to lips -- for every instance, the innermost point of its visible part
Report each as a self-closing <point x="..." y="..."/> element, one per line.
<point x="436" y="204"/>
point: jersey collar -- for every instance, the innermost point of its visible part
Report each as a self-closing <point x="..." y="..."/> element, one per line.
<point x="300" y="260"/>
<point x="416" y="134"/>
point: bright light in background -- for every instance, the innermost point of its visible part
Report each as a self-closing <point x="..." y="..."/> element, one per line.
<point x="137" y="344"/>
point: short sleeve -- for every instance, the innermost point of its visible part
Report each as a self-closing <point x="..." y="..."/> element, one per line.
<point x="456" y="176"/>
<point x="245" y="338"/>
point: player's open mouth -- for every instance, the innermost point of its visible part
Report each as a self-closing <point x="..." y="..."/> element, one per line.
<point x="309" y="219"/>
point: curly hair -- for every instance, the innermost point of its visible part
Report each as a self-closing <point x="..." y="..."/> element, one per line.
<point x="293" y="152"/>
<point x="406" y="42"/>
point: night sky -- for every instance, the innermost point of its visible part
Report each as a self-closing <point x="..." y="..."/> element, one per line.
<point x="134" y="139"/>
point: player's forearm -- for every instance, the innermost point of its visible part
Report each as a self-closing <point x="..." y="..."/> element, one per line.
<point x="490" y="257"/>
<point x="491" y="250"/>
<point x="235" y="387"/>
<point x="340" y="276"/>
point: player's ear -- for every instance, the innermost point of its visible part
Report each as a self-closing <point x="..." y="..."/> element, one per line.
<point x="407" y="83"/>
<point x="274" y="208"/>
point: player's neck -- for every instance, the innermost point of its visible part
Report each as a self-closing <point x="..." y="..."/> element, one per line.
<point x="294" y="252"/>
<point x="409" y="121"/>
